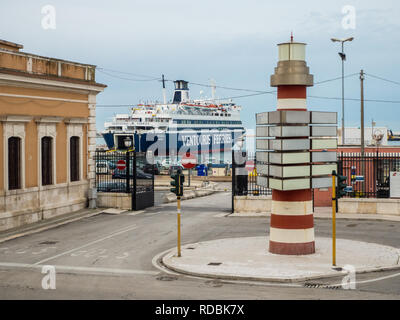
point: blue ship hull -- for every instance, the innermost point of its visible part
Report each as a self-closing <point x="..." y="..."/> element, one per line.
<point x="172" y="143"/>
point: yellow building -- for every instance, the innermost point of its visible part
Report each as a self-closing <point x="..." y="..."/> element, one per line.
<point x="47" y="136"/>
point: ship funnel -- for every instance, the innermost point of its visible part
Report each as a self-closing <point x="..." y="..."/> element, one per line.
<point x="181" y="93"/>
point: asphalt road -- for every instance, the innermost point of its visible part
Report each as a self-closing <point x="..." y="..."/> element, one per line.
<point x="111" y="257"/>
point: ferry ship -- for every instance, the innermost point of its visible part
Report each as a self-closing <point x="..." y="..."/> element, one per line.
<point x="208" y="128"/>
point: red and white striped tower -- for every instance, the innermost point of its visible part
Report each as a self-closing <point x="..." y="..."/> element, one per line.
<point x="292" y="221"/>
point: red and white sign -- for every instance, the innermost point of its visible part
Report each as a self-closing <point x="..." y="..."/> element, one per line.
<point x="121" y="165"/>
<point x="189" y="161"/>
<point x="250" y="165"/>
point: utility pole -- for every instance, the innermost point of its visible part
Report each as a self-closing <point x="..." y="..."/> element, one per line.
<point x="343" y="56"/>
<point x="362" y="77"/>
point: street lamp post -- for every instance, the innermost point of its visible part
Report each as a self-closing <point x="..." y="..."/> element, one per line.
<point x="128" y="144"/>
<point x="343" y="57"/>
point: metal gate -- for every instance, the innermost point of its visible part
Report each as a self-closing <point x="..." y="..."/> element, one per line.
<point x="126" y="172"/>
<point x="244" y="183"/>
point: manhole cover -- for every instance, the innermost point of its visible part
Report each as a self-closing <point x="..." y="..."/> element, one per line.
<point x="48" y="242"/>
<point x="215" y="263"/>
<point x="351" y="225"/>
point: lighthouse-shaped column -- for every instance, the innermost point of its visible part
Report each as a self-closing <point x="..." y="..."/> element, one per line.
<point x="292" y="221"/>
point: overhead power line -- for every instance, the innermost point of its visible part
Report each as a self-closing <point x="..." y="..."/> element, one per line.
<point x="153" y="78"/>
<point x="128" y="73"/>
<point x="128" y="79"/>
<point x="383" y="79"/>
<point x="255" y="92"/>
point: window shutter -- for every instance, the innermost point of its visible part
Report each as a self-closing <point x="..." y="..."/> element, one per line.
<point x="14" y="163"/>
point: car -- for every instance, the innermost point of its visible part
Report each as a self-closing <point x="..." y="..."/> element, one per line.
<point x="102" y="166"/>
<point x="165" y="164"/>
<point x="173" y="169"/>
<point x="121" y="174"/>
<point x="149" y="168"/>
<point x="112" y="164"/>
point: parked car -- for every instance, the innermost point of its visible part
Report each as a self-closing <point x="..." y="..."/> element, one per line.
<point x="149" y="168"/>
<point x="173" y="169"/>
<point x="102" y="166"/>
<point x="165" y="164"/>
<point x="112" y="164"/>
<point x="121" y="174"/>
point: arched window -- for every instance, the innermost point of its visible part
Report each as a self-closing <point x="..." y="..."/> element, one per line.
<point x="47" y="161"/>
<point x="74" y="158"/>
<point x="14" y="163"/>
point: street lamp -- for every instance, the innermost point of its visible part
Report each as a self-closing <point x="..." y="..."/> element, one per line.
<point x="127" y="142"/>
<point x="343" y="57"/>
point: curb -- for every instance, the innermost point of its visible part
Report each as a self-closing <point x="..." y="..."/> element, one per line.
<point x="165" y="265"/>
<point x="191" y="194"/>
<point x="49" y="226"/>
<point x="340" y="216"/>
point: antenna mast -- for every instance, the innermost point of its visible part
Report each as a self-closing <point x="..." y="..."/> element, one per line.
<point x="163" y="90"/>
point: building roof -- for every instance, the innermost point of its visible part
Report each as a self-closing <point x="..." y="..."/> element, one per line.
<point x="10" y="45"/>
<point x="13" y="61"/>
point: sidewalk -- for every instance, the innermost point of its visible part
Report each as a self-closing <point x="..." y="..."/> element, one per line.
<point x="326" y="213"/>
<point x="48" y="224"/>
<point x="249" y="259"/>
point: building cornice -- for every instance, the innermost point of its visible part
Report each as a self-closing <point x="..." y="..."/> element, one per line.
<point x="15" y="118"/>
<point x="8" y="76"/>
<point x="76" y="120"/>
<point x="46" y="120"/>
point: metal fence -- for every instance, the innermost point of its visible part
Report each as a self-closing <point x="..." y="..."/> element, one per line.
<point x="375" y="169"/>
<point x="126" y="172"/>
<point x="244" y="181"/>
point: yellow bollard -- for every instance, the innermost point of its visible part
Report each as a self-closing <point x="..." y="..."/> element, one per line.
<point x="179" y="226"/>
<point x="334" y="220"/>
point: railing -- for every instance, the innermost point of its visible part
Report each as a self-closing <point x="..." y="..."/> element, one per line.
<point x="244" y="182"/>
<point x="375" y="169"/>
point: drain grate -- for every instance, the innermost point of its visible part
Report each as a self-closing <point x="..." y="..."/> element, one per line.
<point x="215" y="263"/>
<point x="322" y="286"/>
<point x="190" y="248"/>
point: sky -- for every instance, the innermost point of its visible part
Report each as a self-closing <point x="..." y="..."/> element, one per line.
<point x="233" y="42"/>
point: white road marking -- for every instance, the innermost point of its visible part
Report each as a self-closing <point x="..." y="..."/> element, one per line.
<point x="79" y="269"/>
<point x="43" y="250"/>
<point x="365" y="281"/>
<point x="88" y="244"/>
<point x="124" y="256"/>
<point x="78" y="253"/>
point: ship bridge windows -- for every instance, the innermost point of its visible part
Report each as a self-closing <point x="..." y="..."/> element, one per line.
<point x="225" y="122"/>
<point x="115" y="128"/>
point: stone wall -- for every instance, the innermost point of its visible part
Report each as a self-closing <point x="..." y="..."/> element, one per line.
<point x="114" y="200"/>
<point x="252" y="204"/>
<point x="370" y="206"/>
<point x="21" y="207"/>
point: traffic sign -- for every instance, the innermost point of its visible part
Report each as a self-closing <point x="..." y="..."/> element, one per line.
<point x="121" y="165"/>
<point x="189" y="161"/>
